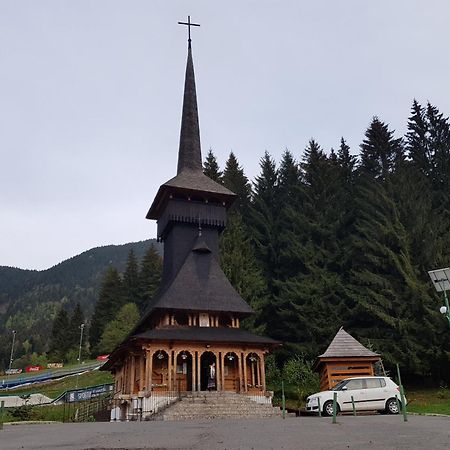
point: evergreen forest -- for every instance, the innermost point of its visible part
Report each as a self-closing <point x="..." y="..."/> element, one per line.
<point x="346" y="237"/>
<point x="318" y="240"/>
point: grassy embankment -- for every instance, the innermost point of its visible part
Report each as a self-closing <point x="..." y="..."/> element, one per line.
<point x="53" y="389"/>
<point x="434" y="401"/>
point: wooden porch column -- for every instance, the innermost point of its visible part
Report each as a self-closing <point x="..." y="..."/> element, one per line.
<point x="148" y="370"/>
<point x="170" y="369"/>
<point x="257" y="372"/>
<point x="218" y="372"/>
<point x="263" y="373"/>
<point x="141" y="372"/>
<point x="222" y="361"/>
<point x="241" y="371"/>
<point x="244" y="357"/>
<point x="253" y="371"/>
<point x="132" y="373"/>
<point x="199" y="372"/>
<point x="194" y="372"/>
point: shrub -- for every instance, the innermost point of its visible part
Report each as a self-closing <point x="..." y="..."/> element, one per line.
<point x="299" y="373"/>
<point x="24" y="412"/>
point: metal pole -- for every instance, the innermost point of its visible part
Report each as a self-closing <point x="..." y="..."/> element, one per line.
<point x="402" y="395"/>
<point x="447" y="313"/>
<point x="283" y="399"/>
<point x="353" y="405"/>
<point x="79" y="350"/>
<point x="2" y="408"/>
<point x="12" y="350"/>
<point x="334" y="406"/>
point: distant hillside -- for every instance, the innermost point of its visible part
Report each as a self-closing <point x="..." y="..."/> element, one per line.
<point x="29" y="298"/>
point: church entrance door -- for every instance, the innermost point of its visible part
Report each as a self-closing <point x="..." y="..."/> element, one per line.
<point x="207" y="382"/>
<point x="184" y="372"/>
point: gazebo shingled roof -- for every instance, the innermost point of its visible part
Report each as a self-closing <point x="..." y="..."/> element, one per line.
<point x="343" y="345"/>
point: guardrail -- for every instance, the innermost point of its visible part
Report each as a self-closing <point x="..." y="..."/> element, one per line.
<point x="50" y="375"/>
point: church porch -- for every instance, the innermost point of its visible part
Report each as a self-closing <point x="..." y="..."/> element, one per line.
<point x="163" y="368"/>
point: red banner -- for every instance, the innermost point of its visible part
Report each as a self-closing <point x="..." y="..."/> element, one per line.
<point x="33" y="368"/>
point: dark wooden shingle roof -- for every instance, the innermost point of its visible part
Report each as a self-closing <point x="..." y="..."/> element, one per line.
<point x="343" y="345"/>
<point x="201" y="285"/>
<point x="204" y="334"/>
<point x="190" y="177"/>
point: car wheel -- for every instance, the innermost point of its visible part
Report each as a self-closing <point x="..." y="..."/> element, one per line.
<point x="328" y="408"/>
<point x="392" y="407"/>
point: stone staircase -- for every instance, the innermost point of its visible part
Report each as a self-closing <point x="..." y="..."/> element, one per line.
<point x="217" y="405"/>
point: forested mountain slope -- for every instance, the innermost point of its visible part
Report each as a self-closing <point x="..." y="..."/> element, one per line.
<point x="29" y="299"/>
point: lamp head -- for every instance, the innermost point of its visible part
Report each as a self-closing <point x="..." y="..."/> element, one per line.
<point x="443" y="310"/>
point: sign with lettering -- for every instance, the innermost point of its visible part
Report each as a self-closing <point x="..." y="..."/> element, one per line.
<point x="13" y="371"/>
<point x="58" y="365"/>
<point x="87" y="394"/>
<point x="33" y="368"/>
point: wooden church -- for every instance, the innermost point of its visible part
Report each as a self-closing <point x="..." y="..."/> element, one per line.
<point x="190" y="336"/>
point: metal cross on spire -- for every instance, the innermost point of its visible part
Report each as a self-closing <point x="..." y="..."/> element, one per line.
<point x="189" y="25"/>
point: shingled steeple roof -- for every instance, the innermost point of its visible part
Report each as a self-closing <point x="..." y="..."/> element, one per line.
<point x="189" y="153"/>
<point x="190" y="177"/>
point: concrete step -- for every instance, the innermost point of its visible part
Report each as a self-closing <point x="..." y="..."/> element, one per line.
<point x="217" y="405"/>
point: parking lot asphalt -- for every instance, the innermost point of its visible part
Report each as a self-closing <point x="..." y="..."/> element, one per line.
<point x="368" y="432"/>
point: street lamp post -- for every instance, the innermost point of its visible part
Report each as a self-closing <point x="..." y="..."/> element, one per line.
<point x="11" y="358"/>
<point x="441" y="282"/>
<point x="79" y="350"/>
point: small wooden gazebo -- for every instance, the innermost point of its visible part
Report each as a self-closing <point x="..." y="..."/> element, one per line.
<point x="345" y="357"/>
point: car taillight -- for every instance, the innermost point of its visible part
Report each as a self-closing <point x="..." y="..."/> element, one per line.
<point x="398" y="388"/>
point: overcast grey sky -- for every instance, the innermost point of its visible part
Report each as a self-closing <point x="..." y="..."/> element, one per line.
<point x="91" y="95"/>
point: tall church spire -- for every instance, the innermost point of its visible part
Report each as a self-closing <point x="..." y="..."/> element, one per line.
<point x="189" y="154"/>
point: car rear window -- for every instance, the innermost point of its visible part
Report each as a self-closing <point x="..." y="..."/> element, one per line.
<point x="373" y="383"/>
<point x="355" y="384"/>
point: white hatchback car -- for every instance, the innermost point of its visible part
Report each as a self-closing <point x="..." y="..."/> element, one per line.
<point x="369" y="393"/>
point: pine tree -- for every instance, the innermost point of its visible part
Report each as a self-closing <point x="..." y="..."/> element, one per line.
<point x="428" y="145"/>
<point x="111" y="299"/>
<point x="59" y="344"/>
<point x="234" y="179"/>
<point x="131" y="278"/>
<point x="263" y="216"/>
<point x="118" y="329"/>
<point x="211" y="167"/>
<point x="383" y="283"/>
<point x="149" y="277"/>
<point x="239" y="265"/>
<point x="308" y="303"/>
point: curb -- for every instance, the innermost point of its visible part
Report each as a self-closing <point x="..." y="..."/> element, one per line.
<point x="32" y="422"/>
